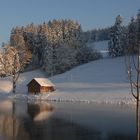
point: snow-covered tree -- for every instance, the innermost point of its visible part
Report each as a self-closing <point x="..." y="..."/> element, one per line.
<point x="132" y="36"/>
<point x="8" y="56"/>
<point x="138" y="27"/>
<point x="12" y="62"/>
<point x="115" y="42"/>
<point x="63" y="42"/>
<point x="47" y="41"/>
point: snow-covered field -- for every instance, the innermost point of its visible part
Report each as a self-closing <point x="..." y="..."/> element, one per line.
<point x="100" y="81"/>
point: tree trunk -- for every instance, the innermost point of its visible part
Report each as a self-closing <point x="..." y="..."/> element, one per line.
<point x="14" y="121"/>
<point x="14" y="83"/>
<point x="14" y="87"/>
<point x="15" y="78"/>
<point x="137" y="121"/>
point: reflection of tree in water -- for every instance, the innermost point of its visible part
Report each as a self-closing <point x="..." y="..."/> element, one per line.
<point x="36" y="125"/>
<point x="11" y="128"/>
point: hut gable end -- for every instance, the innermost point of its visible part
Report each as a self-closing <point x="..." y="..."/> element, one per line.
<point x="32" y="82"/>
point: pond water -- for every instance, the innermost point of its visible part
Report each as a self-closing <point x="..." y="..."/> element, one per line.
<point x="21" y="120"/>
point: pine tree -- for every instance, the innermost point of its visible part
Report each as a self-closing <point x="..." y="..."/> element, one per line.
<point x="115" y="42"/>
<point x="138" y="28"/>
<point x="132" y="36"/>
<point x="56" y="45"/>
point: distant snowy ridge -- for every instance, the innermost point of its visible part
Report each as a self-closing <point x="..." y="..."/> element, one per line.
<point x="100" y="46"/>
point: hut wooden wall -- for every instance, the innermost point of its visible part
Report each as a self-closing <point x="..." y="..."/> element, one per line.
<point x="45" y="89"/>
<point x="33" y="87"/>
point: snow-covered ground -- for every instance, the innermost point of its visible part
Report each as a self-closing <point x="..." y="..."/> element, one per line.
<point x="100" y="81"/>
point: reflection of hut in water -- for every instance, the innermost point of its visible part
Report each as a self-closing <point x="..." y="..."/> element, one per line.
<point x="60" y="129"/>
<point x="18" y="127"/>
<point x="40" y="85"/>
<point x="56" y="128"/>
<point x="39" y="111"/>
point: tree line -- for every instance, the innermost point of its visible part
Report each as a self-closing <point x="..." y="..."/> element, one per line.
<point x="124" y="38"/>
<point x="55" y="46"/>
<point x="96" y="35"/>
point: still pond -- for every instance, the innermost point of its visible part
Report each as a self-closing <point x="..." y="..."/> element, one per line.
<point x="21" y="120"/>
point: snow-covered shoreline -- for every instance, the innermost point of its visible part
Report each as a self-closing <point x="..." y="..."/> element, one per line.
<point x="100" y="81"/>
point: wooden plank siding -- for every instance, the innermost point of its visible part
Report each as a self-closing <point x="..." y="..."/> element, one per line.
<point x="44" y="89"/>
<point x="34" y="88"/>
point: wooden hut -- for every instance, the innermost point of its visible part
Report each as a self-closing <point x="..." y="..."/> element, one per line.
<point x="40" y="85"/>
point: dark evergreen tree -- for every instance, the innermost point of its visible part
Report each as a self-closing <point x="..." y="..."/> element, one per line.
<point x="132" y="36"/>
<point x="138" y="28"/>
<point x="115" y="42"/>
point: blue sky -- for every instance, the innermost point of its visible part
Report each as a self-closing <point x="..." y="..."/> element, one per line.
<point x="89" y="13"/>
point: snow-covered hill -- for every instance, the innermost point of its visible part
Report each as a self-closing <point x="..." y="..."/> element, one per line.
<point x="100" y="81"/>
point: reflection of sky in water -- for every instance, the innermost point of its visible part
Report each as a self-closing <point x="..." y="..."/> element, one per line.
<point x="65" y="121"/>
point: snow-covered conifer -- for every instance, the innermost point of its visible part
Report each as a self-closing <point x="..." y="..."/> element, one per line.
<point x="138" y="27"/>
<point x="115" y="42"/>
<point x="52" y="43"/>
<point x="132" y="36"/>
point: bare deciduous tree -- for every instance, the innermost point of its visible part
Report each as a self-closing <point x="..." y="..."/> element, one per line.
<point x="132" y="61"/>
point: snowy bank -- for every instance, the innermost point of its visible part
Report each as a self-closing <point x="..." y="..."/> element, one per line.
<point x="100" y="81"/>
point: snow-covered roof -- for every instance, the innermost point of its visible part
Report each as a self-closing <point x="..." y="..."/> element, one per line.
<point x="44" y="82"/>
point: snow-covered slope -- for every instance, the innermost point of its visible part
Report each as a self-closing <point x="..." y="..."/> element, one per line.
<point x="24" y="79"/>
<point x="100" y="81"/>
